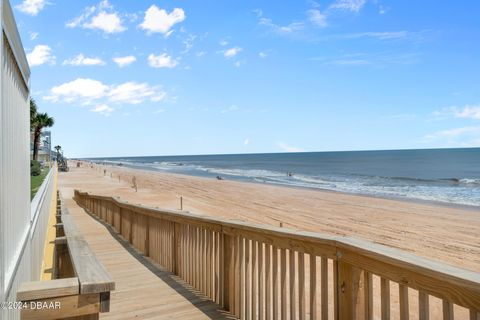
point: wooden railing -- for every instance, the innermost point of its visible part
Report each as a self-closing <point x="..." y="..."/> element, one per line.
<point x="264" y="272"/>
<point x="81" y="286"/>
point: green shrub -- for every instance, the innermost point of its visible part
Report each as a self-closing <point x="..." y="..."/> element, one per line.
<point x="35" y="169"/>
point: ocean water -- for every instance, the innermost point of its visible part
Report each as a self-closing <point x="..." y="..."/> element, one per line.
<point x="443" y="175"/>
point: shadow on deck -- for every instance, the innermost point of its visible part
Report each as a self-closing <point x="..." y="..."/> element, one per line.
<point x="207" y="307"/>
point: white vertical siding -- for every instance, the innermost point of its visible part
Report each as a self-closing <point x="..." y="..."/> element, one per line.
<point x="40" y="214"/>
<point x="15" y="165"/>
<point x="15" y="251"/>
<point x="2" y="276"/>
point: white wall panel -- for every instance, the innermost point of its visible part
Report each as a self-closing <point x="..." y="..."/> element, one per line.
<point x="15" y="216"/>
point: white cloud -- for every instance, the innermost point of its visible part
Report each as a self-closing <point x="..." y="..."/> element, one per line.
<point x="31" y="7"/>
<point x="246" y="142"/>
<point x="33" y="35"/>
<point x="287" y="148"/>
<point x="232" y="108"/>
<point x="188" y="43"/>
<point x="350" y="62"/>
<point x="364" y="59"/>
<point x="90" y="91"/>
<point x="108" y="22"/>
<point x="135" y="93"/>
<point x="468" y="112"/>
<point x="317" y="18"/>
<point x="81" y="60"/>
<point x="101" y="16"/>
<point x="283" y="30"/>
<point x="382" y="9"/>
<point x="313" y="4"/>
<point x="103" y="109"/>
<point x="456" y="137"/>
<point x="232" y="52"/>
<point x="124" y="61"/>
<point x="262" y="54"/>
<point x="453" y="133"/>
<point x="157" y="20"/>
<point x="223" y="42"/>
<point x="162" y="61"/>
<point x="350" y="5"/>
<point x="387" y="35"/>
<point x="258" y="12"/>
<point x="80" y="89"/>
<point x="41" y="54"/>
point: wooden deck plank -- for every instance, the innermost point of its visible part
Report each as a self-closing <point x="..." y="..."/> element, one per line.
<point x="143" y="291"/>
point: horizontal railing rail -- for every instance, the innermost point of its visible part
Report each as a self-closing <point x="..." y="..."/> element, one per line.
<point x="264" y="272"/>
<point x="81" y="285"/>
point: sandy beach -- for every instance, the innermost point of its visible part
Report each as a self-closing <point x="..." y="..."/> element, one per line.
<point x="440" y="232"/>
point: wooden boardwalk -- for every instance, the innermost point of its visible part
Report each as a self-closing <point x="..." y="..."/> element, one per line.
<point x="143" y="289"/>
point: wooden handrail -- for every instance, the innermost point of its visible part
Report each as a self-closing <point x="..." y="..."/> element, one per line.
<point x="81" y="287"/>
<point x="243" y="266"/>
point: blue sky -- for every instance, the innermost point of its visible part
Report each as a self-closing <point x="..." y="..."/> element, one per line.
<point x="126" y="78"/>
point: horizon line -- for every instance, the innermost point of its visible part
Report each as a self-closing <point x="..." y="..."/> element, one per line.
<point x="261" y="153"/>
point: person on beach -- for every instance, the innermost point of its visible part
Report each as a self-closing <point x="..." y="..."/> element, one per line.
<point x="134" y="183"/>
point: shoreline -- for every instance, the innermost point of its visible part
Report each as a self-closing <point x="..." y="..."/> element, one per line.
<point x="394" y="198"/>
<point x="446" y="233"/>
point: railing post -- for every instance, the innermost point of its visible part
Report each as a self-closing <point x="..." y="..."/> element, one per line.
<point x="145" y="220"/>
<point x="228" y="264"/>
<point x="350" y="291"/>
<point x="63" y="267"/>
<point x="176" y="248"/>
<point x="120" y="214"/>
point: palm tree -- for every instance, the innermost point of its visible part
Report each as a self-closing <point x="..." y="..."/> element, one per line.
<point x="40" y="121"/>
<point x="33" y="112"/>
<point x="58" y="151"/>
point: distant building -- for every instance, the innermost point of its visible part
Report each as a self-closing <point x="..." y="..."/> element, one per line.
<point x="45" y="146"/>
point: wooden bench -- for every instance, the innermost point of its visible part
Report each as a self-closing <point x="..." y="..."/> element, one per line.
<point x="81" y="288"/>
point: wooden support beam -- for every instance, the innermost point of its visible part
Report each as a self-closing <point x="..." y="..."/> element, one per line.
<point x="474" y="315"/>
<point x="176" y="248"/>
<point x="368" y="295"/>
<point x="48" y="289"/>
<point x="62" y="264"/>
<point x="62" y="307"/>
<point x="423" y="306"/>
<point x="324" y="287"/>
<point x="404" y="308"/>
<point x="227" y="271"/>
<point x="351" y="292"/>
<point x="105" y="301"/>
